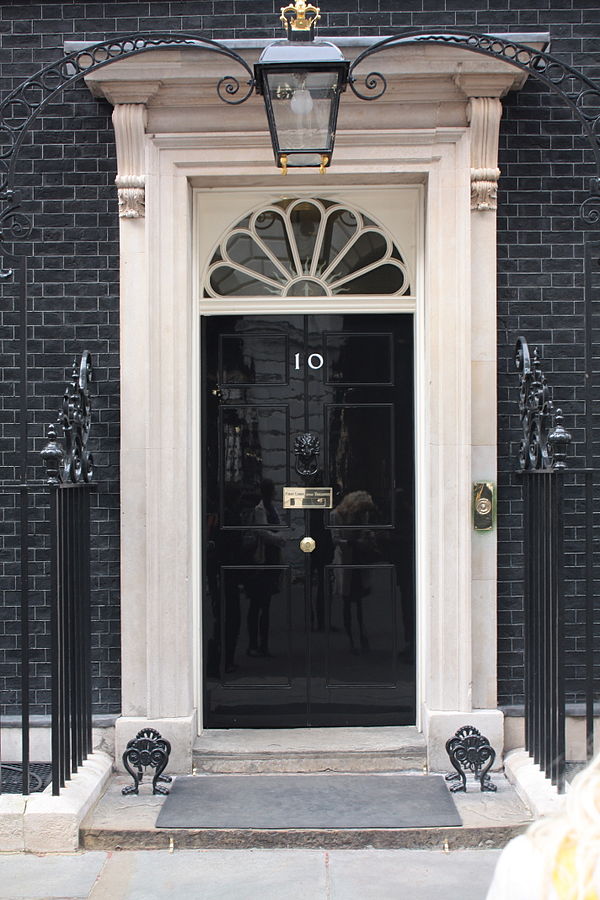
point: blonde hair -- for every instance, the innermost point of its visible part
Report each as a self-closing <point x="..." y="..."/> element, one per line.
<point x="569" y="841"/>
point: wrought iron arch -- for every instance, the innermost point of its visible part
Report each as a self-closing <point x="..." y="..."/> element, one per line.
<point x="23" y="105"/>
<point x="583" y="98"/>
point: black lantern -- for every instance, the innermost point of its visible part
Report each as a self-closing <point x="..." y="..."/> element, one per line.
<point x="301" y="80"/>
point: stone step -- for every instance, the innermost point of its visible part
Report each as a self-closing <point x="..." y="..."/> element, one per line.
<point x="309" y="750"/>
<point x="467" y="837"/>
<point x="129" y="823"/>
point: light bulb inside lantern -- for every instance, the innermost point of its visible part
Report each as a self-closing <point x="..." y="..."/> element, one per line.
<point x="301" y="103"/>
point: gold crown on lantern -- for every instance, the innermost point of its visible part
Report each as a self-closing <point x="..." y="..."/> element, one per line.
<point x="299" y="16"/>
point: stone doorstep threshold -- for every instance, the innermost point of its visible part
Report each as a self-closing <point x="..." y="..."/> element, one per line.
<point x="42" y="823"/>
<point x="309" y="750"/>
<point x="308" y="763"/>
<point x="239" y="741"/>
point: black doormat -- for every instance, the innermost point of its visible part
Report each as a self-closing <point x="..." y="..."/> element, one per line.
<point x="11" y="777"/>
<point x="308" y="801"/>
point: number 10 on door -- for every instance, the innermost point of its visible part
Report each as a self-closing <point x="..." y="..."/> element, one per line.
<point x="314" y="361"/>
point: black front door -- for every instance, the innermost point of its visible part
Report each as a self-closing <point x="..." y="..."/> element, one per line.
<point x="327" y="637"/>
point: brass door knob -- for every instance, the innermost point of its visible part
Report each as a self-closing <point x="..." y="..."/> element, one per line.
<point x="307" y="544"/>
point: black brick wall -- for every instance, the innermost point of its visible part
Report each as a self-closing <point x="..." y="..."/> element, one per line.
<point x="67" y="171"/>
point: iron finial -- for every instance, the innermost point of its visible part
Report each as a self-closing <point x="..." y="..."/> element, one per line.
<point x="541" y="447"/>
<point x="559" y="440"/>
<point x="68" y="458"/>
<point x="52" y="455"/>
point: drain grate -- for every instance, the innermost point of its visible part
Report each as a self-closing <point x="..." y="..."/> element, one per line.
<point x="11" y="777"/>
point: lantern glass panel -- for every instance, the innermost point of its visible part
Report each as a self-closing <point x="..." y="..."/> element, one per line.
<point x="302" y="104"/>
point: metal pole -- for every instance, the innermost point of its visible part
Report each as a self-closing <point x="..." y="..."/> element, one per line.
<point x="21" y="277"/>
<point x="55" y="642"/>
<point x="560" y="628"/>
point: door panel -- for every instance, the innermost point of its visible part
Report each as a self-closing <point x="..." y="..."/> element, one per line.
<point x="360" y="443"/>
<point x="321" y="638"/>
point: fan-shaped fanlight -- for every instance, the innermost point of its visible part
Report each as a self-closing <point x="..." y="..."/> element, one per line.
<point x="306" y="248"/>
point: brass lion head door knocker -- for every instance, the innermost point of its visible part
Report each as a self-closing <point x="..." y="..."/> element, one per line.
<point x="306" y="448"/>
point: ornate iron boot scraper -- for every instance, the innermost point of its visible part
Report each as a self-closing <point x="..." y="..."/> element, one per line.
<point x="147" y="748"/>
<point x="470" y="751"/>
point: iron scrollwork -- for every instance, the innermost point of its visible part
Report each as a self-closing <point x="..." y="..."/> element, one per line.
<point x="581" y="94"/>
<point x="22" y="106"/>
<point x="148" y="749"/>
<point x="470" y="751"/>
<point x="67" y="458"/>
<point x="545" y="440"/>
<point x="14" y="224"/>
<point x="306" y="448"/>
<point x="228" y="87"/>
<point x="375" y="82"/>
<point x="590" y="208"/>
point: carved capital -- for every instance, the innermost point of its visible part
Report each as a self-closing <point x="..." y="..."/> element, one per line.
<point x="129" y="121"/>
<point x="484" y="115"/>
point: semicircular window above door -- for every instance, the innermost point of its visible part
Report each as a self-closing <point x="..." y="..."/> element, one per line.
<point x="306" y="248"/>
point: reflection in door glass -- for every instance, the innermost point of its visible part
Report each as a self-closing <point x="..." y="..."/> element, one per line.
<point x="254" y="622"/>
<point x="359" y="359"/>
<point x="253" y="359"/>
<point x="361" y="453"/>
<point x="362" y="638"/>
<point x="254" y="449"/>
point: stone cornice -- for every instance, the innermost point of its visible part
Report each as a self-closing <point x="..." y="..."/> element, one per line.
<point x="427" y="85"/>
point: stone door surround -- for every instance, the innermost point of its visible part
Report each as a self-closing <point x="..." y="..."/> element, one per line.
<point x="436" y="126"/>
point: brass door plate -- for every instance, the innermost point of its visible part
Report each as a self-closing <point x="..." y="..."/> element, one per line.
<point x="484" y="505"/>
<point x="307" y="498"/>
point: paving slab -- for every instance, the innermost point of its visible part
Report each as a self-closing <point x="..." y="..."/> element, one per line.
<point x="52" y="877"/>
<point x="248" y="875"/>
<point x="414" y="874"/>
<point x="214" y="875"/>
<point x="296" y="875"/>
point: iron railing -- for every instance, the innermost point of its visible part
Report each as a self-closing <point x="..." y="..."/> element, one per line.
<point x="66" y="494"/>
<point x="542" y="456"/>
<point x="544" y="622"/>
<point x="70" y="628"/>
